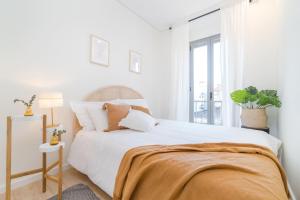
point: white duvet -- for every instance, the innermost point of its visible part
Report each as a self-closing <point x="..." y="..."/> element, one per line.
<point x="98" y="154"/>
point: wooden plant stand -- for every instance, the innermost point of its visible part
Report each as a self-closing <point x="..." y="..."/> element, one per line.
<point x="47" y="148"/>
<point x="44" y="170"/>
<point x="9" y="175"/>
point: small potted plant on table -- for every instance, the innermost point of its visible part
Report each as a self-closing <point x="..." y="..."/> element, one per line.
<point x="254" y="104"/>
<point x="56" y="134"/>
<point x="28" y="111"/>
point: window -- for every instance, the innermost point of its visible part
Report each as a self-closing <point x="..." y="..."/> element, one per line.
<point x="205" y="81"/>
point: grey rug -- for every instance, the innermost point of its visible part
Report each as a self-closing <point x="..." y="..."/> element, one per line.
<point x="77" y="192"/>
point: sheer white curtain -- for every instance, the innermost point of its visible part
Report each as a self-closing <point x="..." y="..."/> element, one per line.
<point x="179" y="98"/>
<point x="233" y="20"/>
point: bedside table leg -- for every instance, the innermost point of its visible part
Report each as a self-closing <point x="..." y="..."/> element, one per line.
<point x="44" y="172"/>
<point x="60" y="173"/>
<point x="8" y="159"/>
<point x="44" y="154"/>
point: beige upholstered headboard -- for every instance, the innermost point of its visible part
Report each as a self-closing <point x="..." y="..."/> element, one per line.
<point x="113" y="92"/>
<point x="107" y="94"/>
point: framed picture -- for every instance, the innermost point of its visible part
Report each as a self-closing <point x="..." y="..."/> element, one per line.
<point x="135" y="62"/>
<point x="99" y="51"/>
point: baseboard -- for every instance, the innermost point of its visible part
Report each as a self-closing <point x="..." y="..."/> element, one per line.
<point x="29" y="179"/>
<point x="293" y="197"/>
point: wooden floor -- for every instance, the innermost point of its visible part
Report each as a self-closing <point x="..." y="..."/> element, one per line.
<point x="71" y="177"/>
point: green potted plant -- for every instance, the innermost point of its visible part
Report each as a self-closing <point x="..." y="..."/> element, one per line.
<point x="28" y="111"/>
<point x="254" y="104"/>
<point x="56" y="135"/>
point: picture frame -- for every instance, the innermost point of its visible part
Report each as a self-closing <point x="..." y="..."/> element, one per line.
<point x="99" y="51"/>
<point x="135" y="62"/>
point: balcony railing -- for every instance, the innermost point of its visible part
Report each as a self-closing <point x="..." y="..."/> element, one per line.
<point x="200" y="114"/>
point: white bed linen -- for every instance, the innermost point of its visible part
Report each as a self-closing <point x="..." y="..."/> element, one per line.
<point x="98" y="154"/>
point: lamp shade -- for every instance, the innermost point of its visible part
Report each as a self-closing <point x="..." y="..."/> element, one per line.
<point x="51" y="100"/>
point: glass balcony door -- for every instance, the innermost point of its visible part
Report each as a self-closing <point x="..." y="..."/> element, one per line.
<point x="205" y="81"/>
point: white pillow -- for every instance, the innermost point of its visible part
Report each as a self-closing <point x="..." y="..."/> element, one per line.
<point x="138" y="120"/>
<point x="98" y="117"/>
<point x="79" y="108"/>
<point x="89" y="120"/>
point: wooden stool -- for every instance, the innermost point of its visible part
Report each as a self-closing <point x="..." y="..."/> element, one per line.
<point x="47" y="148"/>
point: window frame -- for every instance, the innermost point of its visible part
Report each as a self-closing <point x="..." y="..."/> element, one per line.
<point x="209" y="42"/>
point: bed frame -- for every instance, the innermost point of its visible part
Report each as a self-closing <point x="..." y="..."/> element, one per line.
<point x="107" y="94"/>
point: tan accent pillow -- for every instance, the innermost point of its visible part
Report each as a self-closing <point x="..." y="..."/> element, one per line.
<point x="115" y="113"/>
<point x="141" y="108"/>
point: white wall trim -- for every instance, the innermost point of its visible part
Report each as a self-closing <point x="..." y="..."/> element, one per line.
<point x="29" y="179"/>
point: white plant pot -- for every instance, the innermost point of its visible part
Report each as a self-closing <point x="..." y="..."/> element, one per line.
<point x="254" y="118"/>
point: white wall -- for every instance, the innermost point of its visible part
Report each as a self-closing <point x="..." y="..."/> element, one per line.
<point x="261" y="53"/>
<point x="289" y="117"/>
<point x="44" y="46"/>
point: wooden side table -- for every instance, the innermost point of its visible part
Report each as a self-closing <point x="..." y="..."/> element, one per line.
<point x="267" y="130"/>
<point x="47" y="148"/>
<point x="9" y="175"/>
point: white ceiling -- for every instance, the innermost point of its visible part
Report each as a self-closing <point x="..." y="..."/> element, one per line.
<point x="162" y="14"/>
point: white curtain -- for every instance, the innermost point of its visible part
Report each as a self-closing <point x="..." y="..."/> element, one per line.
<point x="179" y="98"/>
<point x="233" y="22"/>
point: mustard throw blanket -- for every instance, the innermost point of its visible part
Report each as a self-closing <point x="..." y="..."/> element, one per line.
<point x="200" y="172"/>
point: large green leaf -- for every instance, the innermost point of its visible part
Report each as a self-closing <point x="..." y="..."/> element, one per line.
<point x="252" y="93"/>
<point x="268" y="98"/>
<point x="240" y="96"/>
<point x="251" y="90"/>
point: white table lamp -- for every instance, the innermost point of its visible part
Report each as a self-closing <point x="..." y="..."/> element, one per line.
<point x="51" y="100"/>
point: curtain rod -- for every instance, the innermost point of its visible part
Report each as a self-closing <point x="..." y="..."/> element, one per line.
<point x="211" y="12"/>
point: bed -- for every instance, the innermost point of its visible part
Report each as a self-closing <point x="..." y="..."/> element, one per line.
<point x="99" y="155"/>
